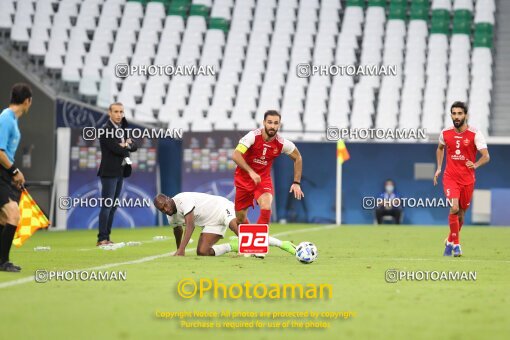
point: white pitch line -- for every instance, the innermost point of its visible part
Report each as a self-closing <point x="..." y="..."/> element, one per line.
<point x="142" y="242"/>
<point x="151" y="258"/>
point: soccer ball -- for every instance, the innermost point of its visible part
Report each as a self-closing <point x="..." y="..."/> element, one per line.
<point x="306" y="252"/>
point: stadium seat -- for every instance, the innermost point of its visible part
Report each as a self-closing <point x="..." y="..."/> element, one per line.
<point x="442" y="50"/>
<point x="484" y="11"/>
<point x="7" y="11"/>
<point x="441" y="4"/>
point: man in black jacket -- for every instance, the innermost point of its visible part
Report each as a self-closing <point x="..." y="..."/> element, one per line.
<point x="115" y="165"/>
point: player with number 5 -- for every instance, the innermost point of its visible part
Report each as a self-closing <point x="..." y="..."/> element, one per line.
<point x="462" y="143"/>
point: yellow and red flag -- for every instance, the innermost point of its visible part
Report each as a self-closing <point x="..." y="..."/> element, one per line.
<point x="31" y="219"/>
<point x="341" y="152"/>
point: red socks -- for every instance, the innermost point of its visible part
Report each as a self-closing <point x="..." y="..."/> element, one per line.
<point x="265" y="216"/>
<point x="453" y="220"/>
<point x="460" y="225"/>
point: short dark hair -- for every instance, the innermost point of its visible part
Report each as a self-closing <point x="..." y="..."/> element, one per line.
<point x="19" y="93"/>
<point x="272" y="113"/>
<point x="460" y="105"/>
<point x="112" y="104"/>
<point x="159" y="200"/>
<point x="392" y="182"/>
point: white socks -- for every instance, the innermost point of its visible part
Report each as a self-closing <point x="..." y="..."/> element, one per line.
<point x="220" y="249"/>
<point x="274" y="242"/>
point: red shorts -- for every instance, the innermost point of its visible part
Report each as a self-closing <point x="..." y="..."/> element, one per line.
<point x="462" y="192"/>
<point x="245" y="195"/>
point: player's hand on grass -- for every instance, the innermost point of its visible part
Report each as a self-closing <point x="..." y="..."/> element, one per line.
<point x="179" y="252"/>
<point x="19" y="179"/>
<point x="436" y="176"/>
<point x="255" y="177"/>
<point x="471" y="165"/>
<point x="296" y="189"/>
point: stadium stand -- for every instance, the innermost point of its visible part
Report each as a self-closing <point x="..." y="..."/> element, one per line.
<point x="443" y="51"/>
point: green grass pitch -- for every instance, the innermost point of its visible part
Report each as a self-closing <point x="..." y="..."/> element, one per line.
<point x="353" y="259"/>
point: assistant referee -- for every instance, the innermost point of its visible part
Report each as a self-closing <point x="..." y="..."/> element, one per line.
<point x="11" y="178"/>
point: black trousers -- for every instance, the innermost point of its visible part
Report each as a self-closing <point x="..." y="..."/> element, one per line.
<point x="112" y="186"/>
<point x="8" y="191"/>
<point x="393" y="212"/>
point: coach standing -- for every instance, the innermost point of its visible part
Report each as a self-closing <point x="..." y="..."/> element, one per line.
<point x="115" y="165"/>
<point x="11" y="179"/>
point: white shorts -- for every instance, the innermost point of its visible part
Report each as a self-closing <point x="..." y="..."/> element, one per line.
<point x="225" y="220"/>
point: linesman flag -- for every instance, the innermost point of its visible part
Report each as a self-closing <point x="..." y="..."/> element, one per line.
<point x="341" y="152"/>
<point x="31" y="219"/>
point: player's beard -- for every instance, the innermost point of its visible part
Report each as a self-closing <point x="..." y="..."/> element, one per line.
<point x="271" y="132"/>
<point x="459" y="123"/>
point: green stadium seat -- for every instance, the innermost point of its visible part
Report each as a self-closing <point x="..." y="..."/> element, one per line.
<point x="419" y="11"/>
<point x="398" y="11"/>
<point x="197" y="9"/>
<point x="359" y="3"/>
<point x="179" y="7"/>
<point x="462" y="20"/>
<point x="402" y="3"/>
<point x="484" y="35"/>
<point x="484" y="28"/>
<point x="440" y="22"/>
<point x="482" y="41"/>
<point x="461" y="27"/>
<point x="219" y="24"/>
<point x="380" y="3"/>
<point x="463" y="14"/>
<point x="424" y="3"/>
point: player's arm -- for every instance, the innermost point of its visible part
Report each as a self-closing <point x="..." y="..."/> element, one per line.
<point x="178" y="235"/>
<point x="238" y="158"/>
<point x="439" y="159"/>
<point x="234" y="227"/>
<point x="189" y="220"/>
<point x="481" y="146"/>
<point x="482" y="161"/>
<point x="295" y="155"/>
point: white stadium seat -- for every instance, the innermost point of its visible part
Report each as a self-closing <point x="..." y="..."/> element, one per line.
<point x="256" y="60"/>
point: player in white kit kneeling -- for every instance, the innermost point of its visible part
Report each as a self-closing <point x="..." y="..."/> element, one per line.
<point x="215" y="214"/>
